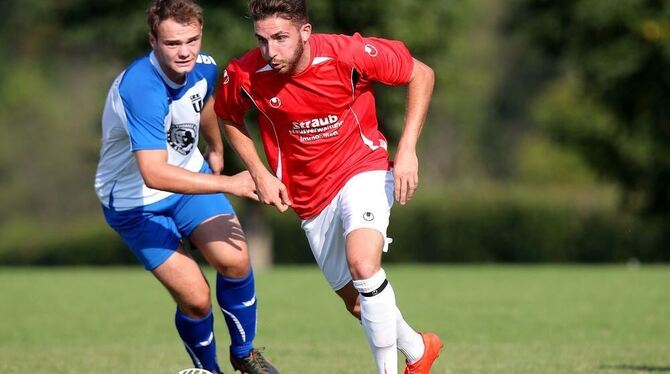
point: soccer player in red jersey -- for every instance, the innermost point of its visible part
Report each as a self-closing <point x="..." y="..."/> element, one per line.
<point x="329" y="160"/>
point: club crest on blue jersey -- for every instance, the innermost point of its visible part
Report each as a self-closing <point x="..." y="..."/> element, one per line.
<point x="181" y="137"/>
<point x="197" y="102"/>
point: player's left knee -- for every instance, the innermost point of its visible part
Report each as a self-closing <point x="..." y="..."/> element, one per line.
<point x="236" y="267"/>
<point x="196" y="307"/>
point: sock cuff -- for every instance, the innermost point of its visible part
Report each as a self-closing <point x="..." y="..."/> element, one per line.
<point x="181" y="316"/>
<point x="241" y="351"/>
<point x="233" y="282"/>
<point x="374" y="283"/>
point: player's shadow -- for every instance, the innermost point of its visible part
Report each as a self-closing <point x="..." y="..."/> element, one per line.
<point x="643" y="368"/>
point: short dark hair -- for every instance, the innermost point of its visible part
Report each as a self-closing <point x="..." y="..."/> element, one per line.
<point x="182" y="11"/>
<point x="292" y="10"/>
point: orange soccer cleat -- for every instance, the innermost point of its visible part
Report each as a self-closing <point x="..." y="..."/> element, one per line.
<point x="432" y="344"/>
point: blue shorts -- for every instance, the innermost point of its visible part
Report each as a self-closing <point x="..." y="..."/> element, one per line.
<point x="153" y="232"/>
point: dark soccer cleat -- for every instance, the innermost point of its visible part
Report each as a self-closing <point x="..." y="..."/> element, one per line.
<point x="255" y="363"/>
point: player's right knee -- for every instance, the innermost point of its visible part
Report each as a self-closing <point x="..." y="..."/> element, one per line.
<point x="363" y="269"/>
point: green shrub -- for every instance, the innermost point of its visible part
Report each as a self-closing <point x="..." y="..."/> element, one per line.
<point x="522" y="231"/>
<point x="503" y="226"/>
<point x="484" y="225"/>
<point x="83" y="242"/>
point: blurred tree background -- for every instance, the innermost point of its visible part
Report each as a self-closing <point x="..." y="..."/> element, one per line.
<point x="548" y="137"/>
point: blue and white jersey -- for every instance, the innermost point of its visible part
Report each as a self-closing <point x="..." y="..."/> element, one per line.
<point x="145" y="110"/>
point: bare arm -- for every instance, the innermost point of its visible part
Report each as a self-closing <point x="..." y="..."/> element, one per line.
<point x="160" y="175"/>
<point x="406" y="163"/>
<point x="209" y="128"/>
<point x="270" y="190"/>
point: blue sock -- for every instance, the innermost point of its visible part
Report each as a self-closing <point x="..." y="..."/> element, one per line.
<point x="237" y="298"/>
<point x="198" y="338"/>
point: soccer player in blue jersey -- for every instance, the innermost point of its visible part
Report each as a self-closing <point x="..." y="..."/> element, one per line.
<point x="157" y="189"/>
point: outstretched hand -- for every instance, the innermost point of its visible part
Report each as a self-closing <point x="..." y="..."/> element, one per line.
<point x="405" y="176"/>
<point x="243" y="185"/>
<point x="272" y="191"/>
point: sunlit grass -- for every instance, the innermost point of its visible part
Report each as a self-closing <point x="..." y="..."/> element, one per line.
<point x="493" y="319"/>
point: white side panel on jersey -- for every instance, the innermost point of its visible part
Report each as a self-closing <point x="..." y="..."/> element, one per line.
<point x="366" y="141"/>
<point x="274" y="129"/>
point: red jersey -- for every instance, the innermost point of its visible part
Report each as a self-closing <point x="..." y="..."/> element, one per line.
<point x="318" y="127"/>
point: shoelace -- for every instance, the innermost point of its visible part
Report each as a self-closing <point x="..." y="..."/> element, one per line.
<point x="259" y="359"/>
<point x="256" y="360"/>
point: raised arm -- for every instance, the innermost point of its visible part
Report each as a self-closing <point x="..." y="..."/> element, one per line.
<point x="406" y="163"/>
<point x="270" y="190"/>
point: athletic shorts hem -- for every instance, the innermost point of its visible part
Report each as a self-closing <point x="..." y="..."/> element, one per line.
<point x="338" y="286"/>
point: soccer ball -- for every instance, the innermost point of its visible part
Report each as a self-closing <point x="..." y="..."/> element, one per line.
<point x="194" y="371"/>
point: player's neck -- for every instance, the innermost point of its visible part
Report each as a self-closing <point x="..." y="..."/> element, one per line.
<point x="304" y="60"/>
<point x="175" y="77"/>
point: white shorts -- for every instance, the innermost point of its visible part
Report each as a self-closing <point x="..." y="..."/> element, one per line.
<point x="364" y="202"/>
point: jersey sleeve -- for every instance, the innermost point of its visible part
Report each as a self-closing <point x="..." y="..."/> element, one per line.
<point x="145" y="107"/>
<point x="207" y="66"/>
<point x="381" y="60"/>
<point x="231" y="102"/>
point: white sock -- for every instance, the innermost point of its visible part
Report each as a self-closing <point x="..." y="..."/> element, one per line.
<point x="378" y="317"/>
<point x="410" y="342"/>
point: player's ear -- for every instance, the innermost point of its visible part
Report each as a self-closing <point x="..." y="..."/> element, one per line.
<point x="305" y="32"/>
<point x="152" y="40"/>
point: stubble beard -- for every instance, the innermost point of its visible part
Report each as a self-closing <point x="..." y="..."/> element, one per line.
<point x="292" y="63"/>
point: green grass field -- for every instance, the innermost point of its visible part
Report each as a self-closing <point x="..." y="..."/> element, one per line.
<point x="493" y="319"/>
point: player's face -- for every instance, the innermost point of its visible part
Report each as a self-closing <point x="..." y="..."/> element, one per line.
<point x="282" y="44"/>
<point x="176" y="47"/>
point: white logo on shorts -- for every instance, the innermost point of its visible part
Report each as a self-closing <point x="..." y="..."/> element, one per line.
<point x="368" y="216"/>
